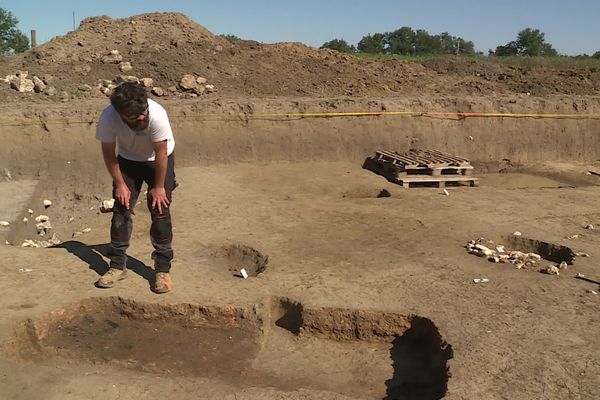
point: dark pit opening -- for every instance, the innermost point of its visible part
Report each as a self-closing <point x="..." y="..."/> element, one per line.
<point x="357" y="353"/>
<point x="548" y="251"/>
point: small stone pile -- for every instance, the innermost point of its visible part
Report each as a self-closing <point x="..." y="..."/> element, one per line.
<point x="22" y="84"/>
<point x="43" y="227"/>
<point x="499" y="254"/>
<point x="189" y="85"/>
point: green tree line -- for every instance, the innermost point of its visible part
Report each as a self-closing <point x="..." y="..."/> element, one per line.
<point x="406" y="41"/>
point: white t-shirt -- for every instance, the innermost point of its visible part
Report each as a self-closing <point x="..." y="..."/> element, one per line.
<point x="136" y="145"/>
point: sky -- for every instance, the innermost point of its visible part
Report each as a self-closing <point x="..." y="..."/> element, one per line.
<point x="571" y="27"/>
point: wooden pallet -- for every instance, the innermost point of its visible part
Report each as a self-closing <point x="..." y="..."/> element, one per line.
<point x="437" y="181"/>
<point x="423" y="168"/>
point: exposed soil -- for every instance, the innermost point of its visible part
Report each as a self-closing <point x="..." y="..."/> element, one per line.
<point x="376" y="273"/>
<point x="167" y="46"/>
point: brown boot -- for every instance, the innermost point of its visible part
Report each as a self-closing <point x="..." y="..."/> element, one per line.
<point x="163" y="283"/>
<point x="112" y="276"/>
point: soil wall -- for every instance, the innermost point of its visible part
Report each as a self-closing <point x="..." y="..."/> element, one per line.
<point x="51" y="139"/>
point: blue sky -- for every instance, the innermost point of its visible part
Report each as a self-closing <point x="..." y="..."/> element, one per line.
<point x="572" y="27"/>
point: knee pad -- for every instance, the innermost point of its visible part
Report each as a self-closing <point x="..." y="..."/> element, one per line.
<point x="161" y="228"/>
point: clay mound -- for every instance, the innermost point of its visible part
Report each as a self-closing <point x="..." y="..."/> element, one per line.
<point x="163" y="46"/>
<point x="166" y="46"/>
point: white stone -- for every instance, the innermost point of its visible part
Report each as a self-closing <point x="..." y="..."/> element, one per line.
<point x="30" y="211"/>
<point x="4" y="223"/>
<point x="113" y="58"/>
<point x="147" y="82"/>
<point x="39" y="85"/>
<point x="517" y="233"/>
<point x="589" y="226"/>
<point x="41" y="218"/>
<point x="22" y="85"/>
<point x="210" y="88"/>
<point x="484" y="250"/>
<point x="158" y="91"/>
<point x="563" y="265"/>
<point x="552" y="270"/>
<point x="188" y="82"/>
<point x="125" y="66"/>
<point x="25" y="219"/>
<point x="47" y="203"/>
<point x="107" y="205"/>
<point x="86" y="230"/>
<point x="201" y="81"/>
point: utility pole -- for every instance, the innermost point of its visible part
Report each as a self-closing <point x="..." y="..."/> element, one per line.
<point x="33" y="38"/>
<point x="73" y="20"/>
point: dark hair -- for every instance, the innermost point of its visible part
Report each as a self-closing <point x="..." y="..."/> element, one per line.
<point x="129" y="96"/>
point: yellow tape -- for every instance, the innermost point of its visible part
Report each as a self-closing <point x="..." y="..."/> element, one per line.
<point x="249" y="116"/>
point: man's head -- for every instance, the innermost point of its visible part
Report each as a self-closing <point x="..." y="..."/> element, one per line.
<point x="131" y="102"/>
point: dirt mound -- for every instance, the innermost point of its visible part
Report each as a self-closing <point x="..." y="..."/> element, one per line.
<point x="165" y="46"/>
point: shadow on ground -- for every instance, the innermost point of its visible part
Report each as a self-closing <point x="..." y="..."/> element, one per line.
<point x="93" y="256"/>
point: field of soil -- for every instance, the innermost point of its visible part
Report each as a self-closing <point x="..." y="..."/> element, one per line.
<point x="367" y="292"/>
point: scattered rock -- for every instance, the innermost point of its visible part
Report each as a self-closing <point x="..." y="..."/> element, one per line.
<point x="22" y="85"/>
<point x="107" y="206"/>
<point x="125" y="66"/>
<point x="499" y="254"/>
<point x="158" y="91"/>
<point x="188" y="82"/>
<point x="114" y="57"/>
<point x="39" y="85"/>
<point x="47" y="203"/>
<point x="4" y="223"/>
<point x="589" y="226"/>
<point x="551" y="270"/>
<point x="563" y="265"/>
<point x="147" y="82"/>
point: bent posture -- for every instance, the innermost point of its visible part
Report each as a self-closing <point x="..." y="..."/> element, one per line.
<point x="139" y="129"/>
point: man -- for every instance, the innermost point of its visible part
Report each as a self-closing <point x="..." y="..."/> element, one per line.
<point x="141" y="128"/>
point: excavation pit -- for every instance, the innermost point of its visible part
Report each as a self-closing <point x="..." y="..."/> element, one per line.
<point x="238" y="257"/>
<point x="280" y="344"/>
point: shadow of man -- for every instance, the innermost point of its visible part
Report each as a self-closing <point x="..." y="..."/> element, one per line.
<point x="93" y="256"/>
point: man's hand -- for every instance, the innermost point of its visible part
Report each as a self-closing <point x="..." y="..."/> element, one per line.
<point x="123" y="194"/>
<point x="158" y="195"/>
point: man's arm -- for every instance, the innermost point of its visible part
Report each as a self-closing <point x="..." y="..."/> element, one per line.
<point x="158" y="192"/>
<point x="122" y="192"/>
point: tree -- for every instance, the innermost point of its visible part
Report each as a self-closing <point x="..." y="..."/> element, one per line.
<point x="12" y="40"/>
<point x="596" y="55"/>
<point x="530" y="42"/>
<point x="400" y="41"/>
<point x="340" y="45"/>
<point x="374" y="44"/>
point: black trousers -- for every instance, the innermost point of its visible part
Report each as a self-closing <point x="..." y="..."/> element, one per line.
<point x="135" y="173"/>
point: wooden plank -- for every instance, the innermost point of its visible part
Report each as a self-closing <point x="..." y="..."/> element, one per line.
<point x="451" y="156"/>
<point x="437" y="178"/>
